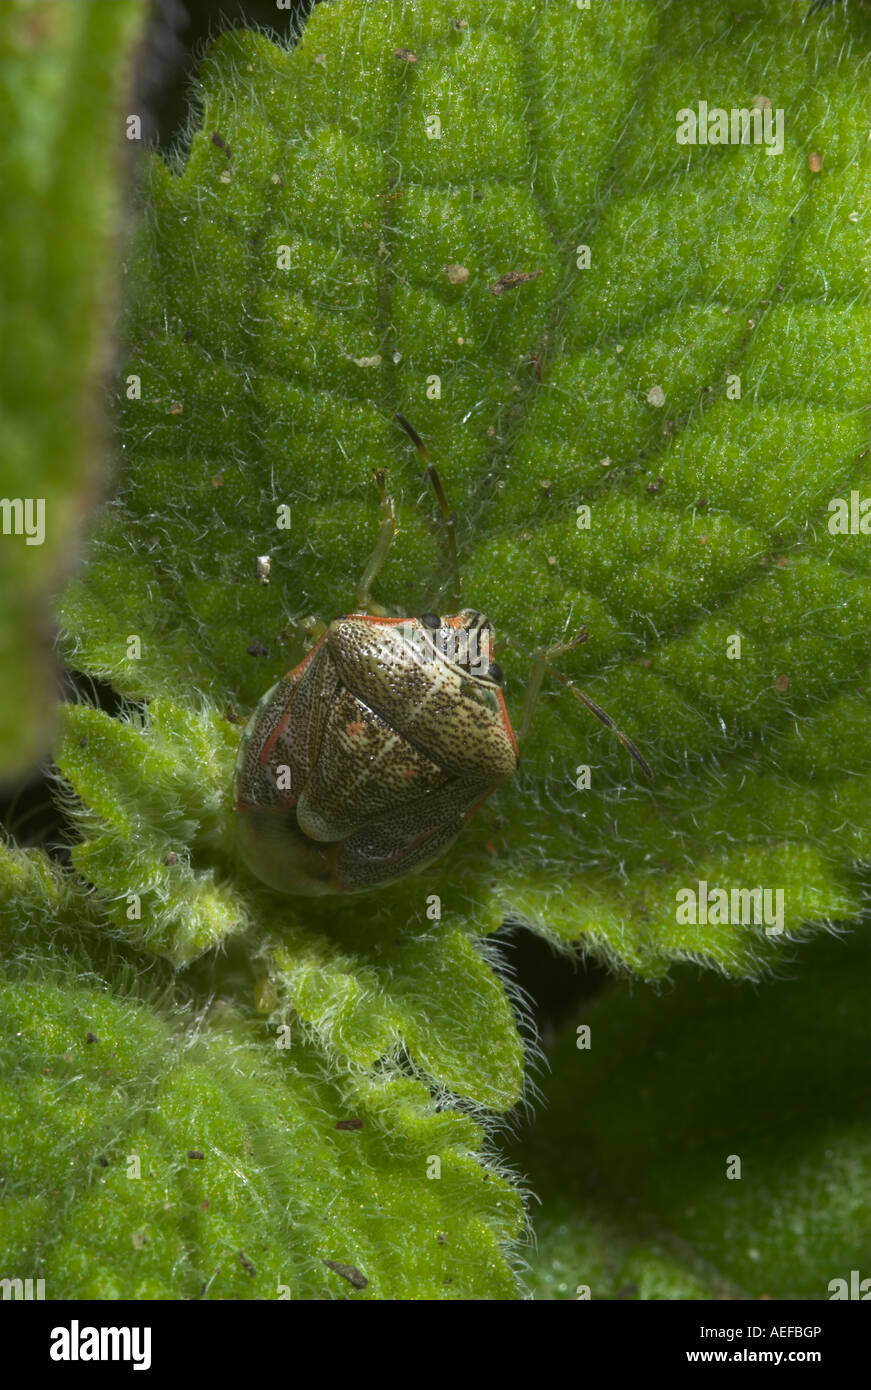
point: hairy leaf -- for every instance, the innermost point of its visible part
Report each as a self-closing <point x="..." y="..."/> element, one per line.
<point x="152" y="1152"/>
<point x="290" y="291"/>
<point x="645" y="442"/>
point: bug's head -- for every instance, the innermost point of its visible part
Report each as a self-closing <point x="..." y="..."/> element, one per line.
<point x="465" y="641"/>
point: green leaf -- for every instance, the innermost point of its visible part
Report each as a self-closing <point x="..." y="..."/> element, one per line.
<point x="155" y="787"/>
<point x="428" y="993"/>
<point x="709" y="263"/>
<point x="634" y="1157"/>
<point x="151" y="1152"/>
<point x="63" y="79"/>
<point x="288" y="291"/>
<point x="367" y="982"/>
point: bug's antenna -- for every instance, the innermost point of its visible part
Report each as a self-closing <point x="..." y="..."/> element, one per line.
<point x="606" y="720"/>
<point x="385" y="539"/>
<point x="431" y="473"/>
<point x="542" y="664"/>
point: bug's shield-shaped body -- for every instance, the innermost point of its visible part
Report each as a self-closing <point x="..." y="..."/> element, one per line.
<point x="364" y="763"/>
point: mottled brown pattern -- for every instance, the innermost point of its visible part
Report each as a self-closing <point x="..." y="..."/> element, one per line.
<point x="364" y="769"/>
<point x="422" y="700"/>
<point x="390" y="748"/>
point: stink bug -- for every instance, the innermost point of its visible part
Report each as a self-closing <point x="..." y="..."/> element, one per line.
<point x="364" y="763"/>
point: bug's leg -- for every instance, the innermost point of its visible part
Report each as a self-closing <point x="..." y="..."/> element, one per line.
<point x="449" y="517"/>
<point x="314" y="628"/>
<point x="537" y="671"/>
<point x="303" y="631"/>
<point x="542" y="666"/>
<point x="307" y="629"/>
<point x="363" y="600"/>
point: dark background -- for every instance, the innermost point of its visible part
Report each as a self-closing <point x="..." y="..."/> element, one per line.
<point x="179" y="32"/>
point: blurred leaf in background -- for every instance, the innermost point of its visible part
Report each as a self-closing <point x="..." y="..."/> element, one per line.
<point x="65" y="84"/>
<point x="709" y="1142"/>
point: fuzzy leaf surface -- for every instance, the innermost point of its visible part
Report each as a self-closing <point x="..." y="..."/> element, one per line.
<point x="290" y="291"/>
<point x="153" y="1148"/>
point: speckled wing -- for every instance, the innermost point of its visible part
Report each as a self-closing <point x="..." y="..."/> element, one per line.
<point x="285" y="731"/>
<point x="363" y="769"/>
<point x="461" y="723"/>
<point x="402" y="841"/>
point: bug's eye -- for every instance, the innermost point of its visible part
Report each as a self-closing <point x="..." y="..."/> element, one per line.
<point x="494" y="673"/>
<point x="430" y="620"/>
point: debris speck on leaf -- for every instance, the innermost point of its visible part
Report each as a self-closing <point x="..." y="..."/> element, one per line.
<point x="512" y="278"/>
<point x="457" y="274"/>
<point x="349" y="1272"/>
